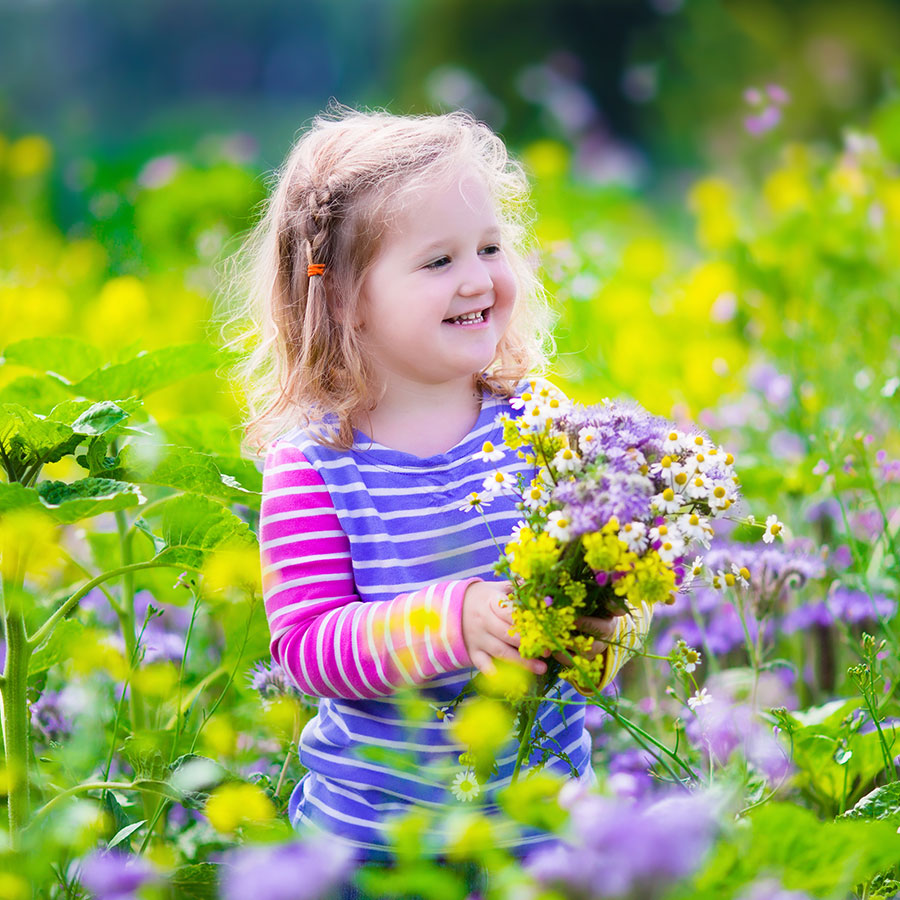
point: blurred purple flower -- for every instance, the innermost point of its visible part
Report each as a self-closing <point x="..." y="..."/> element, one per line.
<point x="304" y="870"/>
<point x="270" y="681"/>
<point x="51" y="715"/>
<point x="825" y="511"/>
<point x="770" y="889"/>
<point x="787" y="445"/>
<point x="725" y="724"/>
<point x="626" y="845"/>
<point x="629" y="773"/>
<point x="112" y="875"/>
<point x="776" y="387"/>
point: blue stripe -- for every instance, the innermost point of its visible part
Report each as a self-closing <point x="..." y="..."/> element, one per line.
<point x="367" y="759"/>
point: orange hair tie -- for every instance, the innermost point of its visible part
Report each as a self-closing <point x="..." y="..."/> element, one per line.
<point x="315" y="269"/>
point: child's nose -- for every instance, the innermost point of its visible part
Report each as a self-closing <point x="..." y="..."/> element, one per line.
<point x="476" y="279"/>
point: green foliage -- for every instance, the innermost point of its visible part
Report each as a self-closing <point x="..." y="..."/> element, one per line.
<point x="195" y="526"/>
<point x="87" y="497"/>
<point x="825" y="859"/>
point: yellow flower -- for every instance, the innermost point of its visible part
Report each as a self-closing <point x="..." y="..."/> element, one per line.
<point x="233" y="805"/>
<point x="28" y="544"/>
<point x="532" y="553"/>
<point x="482" y="725"/>
<point x="30" y="155"/>
<point x="236" y="566"/>
<point x="605" y="552"/>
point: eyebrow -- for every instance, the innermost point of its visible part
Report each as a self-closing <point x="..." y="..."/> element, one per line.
<point x="492" y="233"/>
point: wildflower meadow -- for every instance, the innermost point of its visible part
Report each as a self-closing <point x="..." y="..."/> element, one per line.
<point x="748" y="750"/>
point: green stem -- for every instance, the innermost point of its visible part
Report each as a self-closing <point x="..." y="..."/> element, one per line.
<point x="15" y="717"/>
<point x="147" y="787"/>
<point x="524" y="741"/>
<point x="41" y="635"/>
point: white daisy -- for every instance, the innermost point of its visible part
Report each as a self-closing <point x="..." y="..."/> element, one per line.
<point x="742" y="574"/>
<point x="674" y="442"/>
<point x="634" y="534"/>
<point x="699" y="698"/>
<point x="668" y="501"/>
<point x="475" y="501"/>
<point x="566" y="460"/>
<point x="536" y="496"/>
<point x="693" y="527"/>
<point x="697" y="487"/>
<point x="488" y="453"/>
<point x="558" y="526"/>
<point x="671" y="547"/>
<point x="499" y="482"/>
<point x="773" y="528"/>
<point x="465" y="786"/>
<point x="588" y="440"/>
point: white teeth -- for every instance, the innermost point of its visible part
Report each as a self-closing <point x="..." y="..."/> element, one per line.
<point x="468" y="317"/>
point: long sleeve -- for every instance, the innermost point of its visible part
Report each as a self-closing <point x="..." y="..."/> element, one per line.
<point x="630" y="633"/>
<point x="328" y="641"/>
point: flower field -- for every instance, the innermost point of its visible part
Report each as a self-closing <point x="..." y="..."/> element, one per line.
<point x="748" y="750"/>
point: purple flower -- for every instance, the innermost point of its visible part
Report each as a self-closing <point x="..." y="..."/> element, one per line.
<point x="777" y="388"/>
<point x="112" y="875"/>
<point x="50" y="715"/>
<point x="770" y="889"/>
<point x="303" y="870"/>
<point x="626" y="845"/>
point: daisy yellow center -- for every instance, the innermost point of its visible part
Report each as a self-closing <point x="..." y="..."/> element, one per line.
<point x="698" y="441"/>
<point x="668" y="495"/>
<point x="498" y="477"/>
<point x="681" y="478"/>
<point x="729" y="459"/>
<point x="663" y="529"/>
<point x="673" y="435"/>
<point x="694" y="519"/>
<point x="698" y="482"/>
<point x="719" y="492"/>
<point x="775" y="528"/>
<point x="745" y="573"/>
<point x="666" y="462"/>
<point x="488" y="447"/>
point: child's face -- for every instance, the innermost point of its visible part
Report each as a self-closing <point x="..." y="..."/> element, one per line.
<point x="441" y="259"/>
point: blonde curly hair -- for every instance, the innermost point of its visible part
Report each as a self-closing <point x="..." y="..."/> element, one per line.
<point x="300" y="360"/>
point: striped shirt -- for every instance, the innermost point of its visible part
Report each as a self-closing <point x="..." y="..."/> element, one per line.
<point x="366" y="558"/>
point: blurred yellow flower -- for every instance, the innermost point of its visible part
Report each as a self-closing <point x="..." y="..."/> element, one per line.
<point x="546" y="159"/>
<point x="28" y="545"/>
<point x="95" y="651"/>
<point x="29" y="155"/>
<point x="236" y="567"/>
<point x="233" y="805"/>
<point x="482" y="725"/>
<point x="119" y="315"/>
<point x="711" y="200"/>
<point x="219" y="737"/>
<point x="644" y="259"/>
<point x="13" y="887"/>
<point x="156" y="679"/>
<point x="786" y="191"/>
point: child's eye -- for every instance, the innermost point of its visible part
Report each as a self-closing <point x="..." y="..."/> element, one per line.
<point x="490" y="250"/>
<point x="439" y="263"/>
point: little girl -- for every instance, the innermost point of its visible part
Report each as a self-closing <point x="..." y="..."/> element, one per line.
<point x="398" y="316"/>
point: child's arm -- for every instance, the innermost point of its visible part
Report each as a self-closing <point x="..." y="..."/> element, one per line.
<point x="329" y="641"/>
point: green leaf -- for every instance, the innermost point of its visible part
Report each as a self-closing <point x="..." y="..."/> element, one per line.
<point x="194" y="777"/>
<point x="64" y="355"/>
<point x="87" y="497"/>
<point x="98" y="464"/>
<point x="32" y="438"/>
<point x="187" y="470"/>
<point x="149" y="371"/>
<point x="123" y="834"/>
<point x="142" y="526"/>
<point x="825" y="859"/>
<point x="196" y="882"/>
<point x="39" y="393"/>
<point x="882" y="803"/>
<point x="194" y="526"/>
<point x="57" y="647"/>
<point x="206" y="432"/>
<point x="16" y="496"/>
<point x="99" y="418"/>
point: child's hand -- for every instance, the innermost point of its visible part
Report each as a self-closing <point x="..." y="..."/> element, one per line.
<point x="486" y="622"/>
<point x="602" y="629"/>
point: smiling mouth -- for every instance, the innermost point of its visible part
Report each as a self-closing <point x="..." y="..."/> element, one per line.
<point x="473" y="318"/>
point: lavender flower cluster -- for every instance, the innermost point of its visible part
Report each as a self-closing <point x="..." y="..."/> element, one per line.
<point x="624" y="846"/>
<point x="628" y="437"/>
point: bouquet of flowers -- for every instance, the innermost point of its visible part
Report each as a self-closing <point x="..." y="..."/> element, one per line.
<point x="619" y="502"/>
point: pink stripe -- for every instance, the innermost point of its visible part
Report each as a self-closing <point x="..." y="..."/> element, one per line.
<point x="326" y="646"/>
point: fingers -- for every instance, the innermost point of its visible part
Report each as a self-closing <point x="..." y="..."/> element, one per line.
<point x="600" y="628"/>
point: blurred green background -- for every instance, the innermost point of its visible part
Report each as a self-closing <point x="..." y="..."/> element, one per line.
<point x="715" y="182"/>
